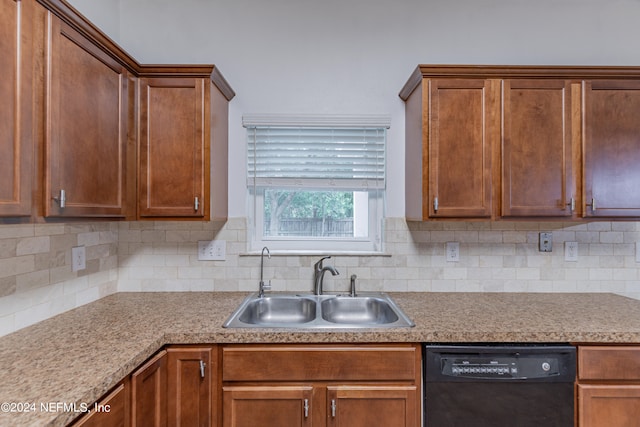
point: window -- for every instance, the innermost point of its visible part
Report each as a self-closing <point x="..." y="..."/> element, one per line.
<point x="316" y="184"/>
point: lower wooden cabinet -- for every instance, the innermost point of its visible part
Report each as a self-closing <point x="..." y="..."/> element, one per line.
<point x="608" y="386"/>
<point x="192" y="387"/>
<point x="177" y="387"/>
<point x="264" y="405"/>
<point x="321" y="385"/>
<point x="373" y="405"/>
<point x="302" y="405"/>
<point x="149" y="394"/>
<point x="609" y="405"/>
<point x="268" y="385"/>
<point x="113" y="410"/>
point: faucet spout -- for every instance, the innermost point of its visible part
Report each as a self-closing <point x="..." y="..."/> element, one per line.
<point x="262" y="287"/>
<point x="318" y="274"/>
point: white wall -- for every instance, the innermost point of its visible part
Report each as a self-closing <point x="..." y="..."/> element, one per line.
<point x="353" y="56"/>
<point x="104" y="14"/>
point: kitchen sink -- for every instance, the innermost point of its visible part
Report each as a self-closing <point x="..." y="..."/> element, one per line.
<point x="358" y="310"/>
<point x="275" y="310"/>
<point x="278" y="310"/>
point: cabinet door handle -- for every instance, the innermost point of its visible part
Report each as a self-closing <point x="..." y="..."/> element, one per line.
<point x="306" y="408"/>
<point x="593" y="205"/>
<point x="333" y="408"/>
<point x="202" y="366"/>
<point x="435" y="204"/>
<point x="572" y="205"/>
<point x="196" y="204"/>
<point x="61" y="199"/>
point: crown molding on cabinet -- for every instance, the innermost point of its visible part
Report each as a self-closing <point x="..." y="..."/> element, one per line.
<point x="77" y="21"/>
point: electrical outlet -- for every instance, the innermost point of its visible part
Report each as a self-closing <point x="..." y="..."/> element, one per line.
<point x="78" y="258"/>
<point x="571" y="251"/>
<point x="212" y="250"/>
<point x="546" y="242"/>
<point x="453" y="251"/>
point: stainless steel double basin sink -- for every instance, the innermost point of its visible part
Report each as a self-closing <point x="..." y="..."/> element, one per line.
<point x="366" y="310"/>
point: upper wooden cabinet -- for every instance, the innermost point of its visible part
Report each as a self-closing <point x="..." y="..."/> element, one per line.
<point x="458" y="134"/>
<point x="181" y="155"/>
<point x="612" y="148"/>
<point x="86" y="110"/>
<point x="88" y="132"/>
<point x="16" y="137"/>
<point x="493" y="142"/>
<point x="537" y="155"/>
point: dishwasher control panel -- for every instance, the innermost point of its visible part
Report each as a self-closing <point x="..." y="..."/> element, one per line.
<point x="492" y="363"/>
<point x="499" y="367"/>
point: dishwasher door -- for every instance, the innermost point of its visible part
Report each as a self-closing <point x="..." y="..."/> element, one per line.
<point x="499" y="386"/>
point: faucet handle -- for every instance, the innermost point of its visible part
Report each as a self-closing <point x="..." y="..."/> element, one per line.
<point x="352" y="290"/>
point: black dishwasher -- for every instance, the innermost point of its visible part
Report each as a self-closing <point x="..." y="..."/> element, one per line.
<point x="499" y="385"/>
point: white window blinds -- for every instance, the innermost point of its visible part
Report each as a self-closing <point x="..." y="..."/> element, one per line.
<point x="320" y="157"/>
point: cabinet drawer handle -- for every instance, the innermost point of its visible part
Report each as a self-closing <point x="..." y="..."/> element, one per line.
<point x="61" y="199"/>
<point x="333" y="408"/>
<point x="306" y="408"/>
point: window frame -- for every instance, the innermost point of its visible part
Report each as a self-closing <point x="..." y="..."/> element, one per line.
<point x="373" y="243"/>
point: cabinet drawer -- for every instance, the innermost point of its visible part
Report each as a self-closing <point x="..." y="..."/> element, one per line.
<point x="609" y="363"/>
<point x="320" y="363"/>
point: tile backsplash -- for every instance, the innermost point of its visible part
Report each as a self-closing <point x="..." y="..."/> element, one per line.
<point x="36" y="281"/>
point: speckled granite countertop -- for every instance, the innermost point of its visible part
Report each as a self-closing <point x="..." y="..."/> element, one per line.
<point x="78" y="356"/>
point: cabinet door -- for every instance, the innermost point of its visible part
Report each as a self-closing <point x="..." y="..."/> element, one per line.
<point x="250" y="406"/>
<point x="15" y="92"/>
<point x="608" y="405"/>
<point x="111" y="411"/>
<point x="174" y="147"/>
<point x="536" y="148"/>
<point x="366" y="406"/>
<point x="190" y="386"/>
<point x="149" y="393"/>
<point x="461" y="122"/>
<point x="612" y="148"/>
<point x="86" y="128"/>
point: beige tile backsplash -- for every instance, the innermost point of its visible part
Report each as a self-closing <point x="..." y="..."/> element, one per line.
<point x="36" y="281"/>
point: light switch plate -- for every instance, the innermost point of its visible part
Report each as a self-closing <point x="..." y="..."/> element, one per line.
<point x="453" y="251"/>
<point x="571" y="251"/>
<point x="212" y="250"/>
<point x="546" y="242"/>
<point x="78" y="258"/>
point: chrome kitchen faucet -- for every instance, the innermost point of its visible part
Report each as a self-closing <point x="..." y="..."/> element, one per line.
<point x="262" y="287"/>
<point x="318" y="274"/>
